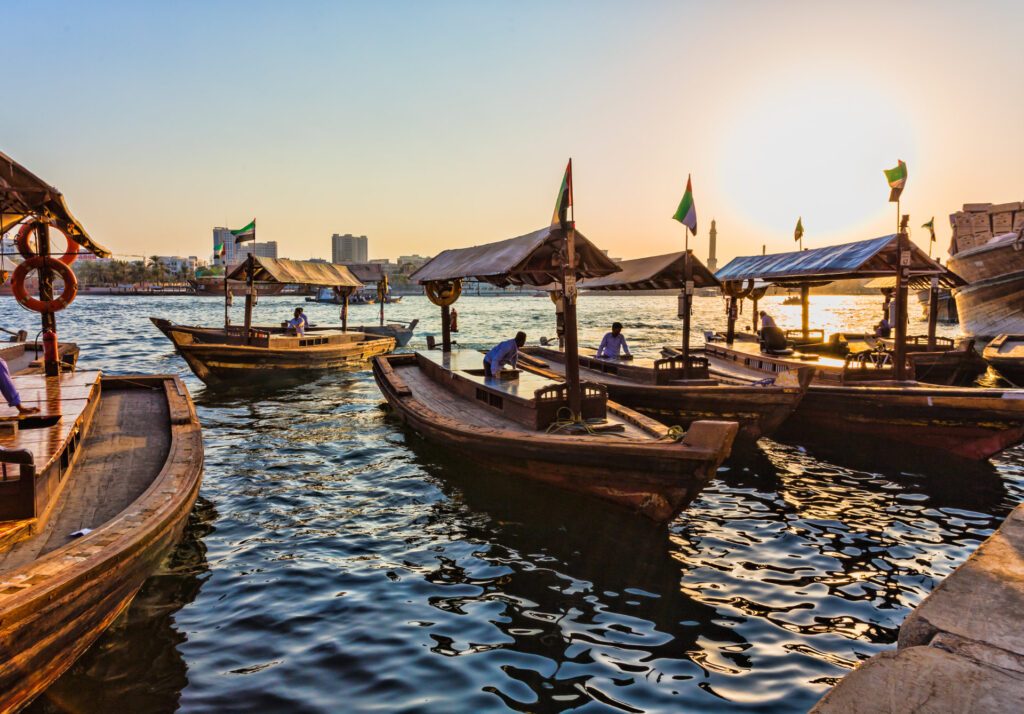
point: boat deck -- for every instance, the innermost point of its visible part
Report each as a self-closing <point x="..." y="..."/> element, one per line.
<point x="24" y="356"/>
<point x="126" y="448"/>
<point x="469" y="364"/>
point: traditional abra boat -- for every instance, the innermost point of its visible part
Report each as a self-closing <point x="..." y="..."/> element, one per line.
<point x="25" y="357"/>
<point x="564" y="433"/>
<point x="676" y="390"/>
<point x="95" y="488"/>
<point x="871" y="396"/>
<point x="219" y="355"/>
<point x="1006" y="355"/>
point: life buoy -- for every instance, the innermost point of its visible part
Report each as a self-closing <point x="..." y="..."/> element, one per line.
<point x="443" y="292"/>
<point x="34" y="304"/>
<point x="21" y="241"/>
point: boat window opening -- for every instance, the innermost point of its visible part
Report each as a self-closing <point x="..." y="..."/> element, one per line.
<point x="481" y="395"/>
<point x="496" y="401"/>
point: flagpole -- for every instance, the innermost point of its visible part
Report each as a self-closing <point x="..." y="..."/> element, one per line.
<point x="569" y="295"/>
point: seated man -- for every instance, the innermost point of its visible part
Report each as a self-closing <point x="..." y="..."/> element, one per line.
<point x="10" y="392"/>
<point x="613" y="342"/>
<point x="503" y="353"/>
<point x="299" y="323"/>
<point x="883" y="328"/>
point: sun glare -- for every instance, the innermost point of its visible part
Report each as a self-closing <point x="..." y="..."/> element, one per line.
<point x="814" y="149"/>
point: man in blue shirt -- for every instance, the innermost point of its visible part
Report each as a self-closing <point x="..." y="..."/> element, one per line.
<point x="503" y="353"/>
<point x="614" y="342"/>
<point x="10" y="392"/>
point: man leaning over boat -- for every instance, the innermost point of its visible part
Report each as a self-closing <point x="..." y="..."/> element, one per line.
<point x="503" y="353"/>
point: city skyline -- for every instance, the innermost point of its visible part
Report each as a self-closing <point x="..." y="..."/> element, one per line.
<point x="450" y="125"/>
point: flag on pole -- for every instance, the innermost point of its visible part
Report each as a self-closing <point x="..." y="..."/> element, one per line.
<point x="247" y="233"/>
<point x="930" y="225"/>
<point x="564" y="202"/>
<point x="687" y="212"/>
<point x="897" y="178"/>
<point x="799" y="232"/>
<point x="221" y="250"/>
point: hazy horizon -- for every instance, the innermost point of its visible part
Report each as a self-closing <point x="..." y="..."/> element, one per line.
<point x="428" y="126"/>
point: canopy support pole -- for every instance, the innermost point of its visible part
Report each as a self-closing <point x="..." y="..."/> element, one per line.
<point x="382" y="299"/>
<point x="902" y="278"/>
<point x="805" y="313"/>
<point x="51" y="360"/>
<point x="227" y="301"/>
<point x="572" y="347"/>
<point x="344" y="308"/>
<point x="933" y="312"/>
<point x="730" y="332"/>
<point x="446" y="328"/>
<point x="250" y="268"/>
<point x="753" y="316"/>
<point x="687" y="305"/>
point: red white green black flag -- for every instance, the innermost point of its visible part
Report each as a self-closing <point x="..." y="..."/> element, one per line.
<point x="564" y="201"/>
<point x="687" y="212"/>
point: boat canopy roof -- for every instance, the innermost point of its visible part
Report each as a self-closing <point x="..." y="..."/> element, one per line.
<point x="658" y="272"/>
<point x="525" y="260"/>
<point x="366" y="272"/>
<point x="860" y="259"/>
<point x="297" y="272"/>
<point x="948" y="280"/>
<point x="23" y="195"/>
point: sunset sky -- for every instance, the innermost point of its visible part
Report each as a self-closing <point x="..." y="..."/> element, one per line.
<point x="427" y="125"/>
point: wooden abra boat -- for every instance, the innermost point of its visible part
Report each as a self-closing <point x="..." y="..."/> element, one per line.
<point x="218" y="354"/>
<point x="657" y="388"/>
<point x="95" y="487"/>
<point x="59" y="592"/>
<point x="1006" y="355"/>
<point x="993" y="301"/>
<point x="507" y="426"/>
<point x="24" y="357"/>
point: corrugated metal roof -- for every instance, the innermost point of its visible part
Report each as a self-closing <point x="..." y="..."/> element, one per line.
<point x="525" y="260"/>
<point x="25" y="195"/>
<point x="658" y="272"/>
<point x="297" y="272"/>
<point x="860" y="259"/>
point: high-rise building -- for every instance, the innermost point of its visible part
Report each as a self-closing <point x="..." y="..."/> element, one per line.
<point x="349" y="249"/>
<point x="235" y="253"/>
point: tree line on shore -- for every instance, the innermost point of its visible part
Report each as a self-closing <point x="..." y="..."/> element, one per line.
<point x="95" y="273"/>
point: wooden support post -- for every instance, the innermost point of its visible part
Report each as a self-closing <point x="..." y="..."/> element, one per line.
<point x="446" y="328"/>
<point x="345" y="292"/>
<point x="227" y="301"/>
<point x="250" y="268"/>
<point x="805" y="312"/>
<point x="383" y="297"/>
<point x="933" y="312"/>
<point x="753" y="317"/>
<point x="51" y="356"/>
<point x="572" y="347"/>
<point x="687" y="308"/>
<point x="902" y="278"/>
<point x="730" y="332"/>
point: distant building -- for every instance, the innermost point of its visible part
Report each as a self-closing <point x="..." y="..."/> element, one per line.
<point x="408" y="264"/>
<point x="235" y="253"/>
<point x="176" y="264"/>
<point x="349" y="249"/>
<point x="387" y="266"/>
<point x="712" y="240"/>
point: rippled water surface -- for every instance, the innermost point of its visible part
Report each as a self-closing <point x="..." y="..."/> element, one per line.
<point x="335" y="562"/>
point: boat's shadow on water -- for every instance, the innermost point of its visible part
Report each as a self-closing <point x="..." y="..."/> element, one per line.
<point x="594" y="569"/>
<point x="142" y="643"/>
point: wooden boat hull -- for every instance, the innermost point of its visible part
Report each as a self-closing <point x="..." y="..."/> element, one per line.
<point x="652" y="477"/>
<point x="759" y="410"/>
<point x="1006" y="355"/>
<point x="992" y="307"/>
<point x="56" y="606"/>
<point x="214" y="361"/>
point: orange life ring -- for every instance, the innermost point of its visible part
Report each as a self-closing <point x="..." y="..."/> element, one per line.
<point x="34" y="304"/>
<point x="21" y="241"/>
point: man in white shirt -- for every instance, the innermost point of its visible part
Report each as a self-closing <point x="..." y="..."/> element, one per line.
<point x="299" y="323"/>
<point x="614" y="342"/>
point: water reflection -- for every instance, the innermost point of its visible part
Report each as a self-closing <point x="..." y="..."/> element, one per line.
<point x="142" y="644"/>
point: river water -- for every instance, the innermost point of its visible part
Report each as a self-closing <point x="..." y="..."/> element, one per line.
<point x="335" y="562"/>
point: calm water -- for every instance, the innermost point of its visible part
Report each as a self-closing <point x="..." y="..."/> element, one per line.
<point x="335" y="562"/>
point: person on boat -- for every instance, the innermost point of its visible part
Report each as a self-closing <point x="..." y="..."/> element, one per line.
<point x="883" y="328"/>
<point x="613" y="342"/>
<point x="503" y="353"/>
<point x="299" y="323"/>
<point x="766" y="320"/>
<point x="10" y="392"/>
<point x="773" y="339"/>
<point x="453" y="323"/>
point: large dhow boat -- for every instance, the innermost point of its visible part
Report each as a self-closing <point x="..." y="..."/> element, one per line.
<point x="869" y="393"/>
<point x="226" y="354"/>
<point x="569" y="433"/>
<point x="988" y="252"/>
<point x="677" y="390"/>
<point x="95" y="487"/>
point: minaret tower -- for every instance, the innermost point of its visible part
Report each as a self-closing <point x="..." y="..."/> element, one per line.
<point x="713" y="237"/>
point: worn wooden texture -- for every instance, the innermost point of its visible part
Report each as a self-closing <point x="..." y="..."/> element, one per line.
<point x="140" y="475"/>
<point x="988" y="261"/>
<point x="639" y="469"/>
<point x="1006" y="355"/>
<point x="992" y="307"/>
<point x="759" y="410"/>
<point x="214" y="361"/>
<point x="27" y="357"/>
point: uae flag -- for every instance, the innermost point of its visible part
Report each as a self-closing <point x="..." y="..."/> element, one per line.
<point x="798" y="233"/>
<point x="687" y="212"/>
<point x="897" y="178"/>
<point x="564" y="202"/>
<point x="247" y="233"/>
<point x="930" y="225"/>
